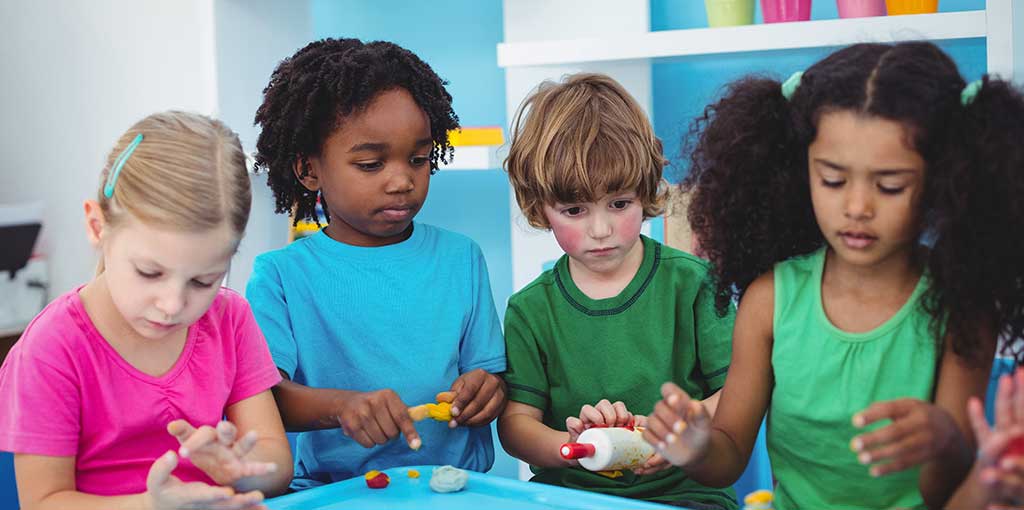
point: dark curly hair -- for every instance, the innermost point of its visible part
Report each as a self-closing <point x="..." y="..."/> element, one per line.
<point x="751" y="205"/>
<point x="311" y="93"/>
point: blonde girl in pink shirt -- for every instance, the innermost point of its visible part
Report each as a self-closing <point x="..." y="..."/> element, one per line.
<point x="115" y="394"/>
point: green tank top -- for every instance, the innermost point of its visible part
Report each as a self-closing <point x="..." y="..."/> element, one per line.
<point x="824" y="375"/>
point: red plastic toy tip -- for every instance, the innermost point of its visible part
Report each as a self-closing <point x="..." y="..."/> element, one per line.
<point x="576" y="450"/>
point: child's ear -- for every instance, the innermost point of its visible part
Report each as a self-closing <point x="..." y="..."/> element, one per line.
<point x="95" y="222"/>
<point x="306" y="170"/>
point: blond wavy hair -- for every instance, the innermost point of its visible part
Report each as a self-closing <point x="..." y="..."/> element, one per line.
<point x="580" y="139"/>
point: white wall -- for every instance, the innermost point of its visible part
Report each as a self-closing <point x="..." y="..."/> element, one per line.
<point x="77" y="74"/>
<point x="253" y="36"/>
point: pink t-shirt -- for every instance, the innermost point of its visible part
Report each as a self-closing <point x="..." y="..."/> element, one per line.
<point x="64" y="391"/>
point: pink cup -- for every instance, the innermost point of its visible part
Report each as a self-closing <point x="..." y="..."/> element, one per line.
<point x="781" y="11"/>
<point x="860" y="8"/>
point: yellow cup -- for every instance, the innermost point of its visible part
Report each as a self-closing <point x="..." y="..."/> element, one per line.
<point x="896" y="7"/>
<point x="727" y="13"/>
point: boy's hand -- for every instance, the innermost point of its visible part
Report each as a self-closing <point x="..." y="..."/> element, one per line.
<point x="166" y="492"/>
<point x="479" y="398"/>
<point x="219" y="452"/>
<point x="604" y="413"/>
<point x="680" y="427"/>
<point x="919" y="432"/>
<point x="1002" y="474"/>
<point x="376" y="417"/>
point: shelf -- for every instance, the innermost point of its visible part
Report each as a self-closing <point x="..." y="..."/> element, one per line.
<point x="746" y="38"/>
<point x="474" y="157"/>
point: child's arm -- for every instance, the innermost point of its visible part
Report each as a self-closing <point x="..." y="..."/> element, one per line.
<point x="48" y="483"/>
<point x="247" y="452"/>
<point x="523" y="434"/>
<point x="716" y="451"/>
<point x="935" y="435"/>
<point x="480" y="394"/>
<point x="370" y="418"/>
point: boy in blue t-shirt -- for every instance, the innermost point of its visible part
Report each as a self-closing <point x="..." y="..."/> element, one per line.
<point x="373" y="312"/>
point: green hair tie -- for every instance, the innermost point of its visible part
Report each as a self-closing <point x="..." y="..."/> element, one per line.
<point x="115" y="171"/>
<point x="790" y="85"/>
<point x="970" y="92"/>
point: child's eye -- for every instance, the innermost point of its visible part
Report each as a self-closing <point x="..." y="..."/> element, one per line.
<point x="202" y="285"/>
<point x="620" y="204"/>
<point x="370" y="166"/>
<point x="419" y="160"/>
<point x="148" y="276"/>
<point x="891" y="190"/>
<point x="572" y="211"/>
<point x="832" y="184"/>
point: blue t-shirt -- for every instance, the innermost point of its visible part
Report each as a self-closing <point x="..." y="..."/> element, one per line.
<point x="411" y="316"/>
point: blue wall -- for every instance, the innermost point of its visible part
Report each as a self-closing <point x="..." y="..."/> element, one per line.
<point x="682" y="88"/>
<point x="459" y="40"/>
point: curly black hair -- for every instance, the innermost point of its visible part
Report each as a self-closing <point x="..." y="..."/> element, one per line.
<point x="751" y="205"/>
<point x="311" y="93"/>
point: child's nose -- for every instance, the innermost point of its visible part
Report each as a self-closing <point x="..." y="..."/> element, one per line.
<point x="600" y="227"/>
<point x="171" y="300"/>
<point x="859" y="203"/>
<point x="400" y="180"/>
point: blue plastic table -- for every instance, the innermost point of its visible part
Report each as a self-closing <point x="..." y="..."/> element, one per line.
<point x="482" y="492"/>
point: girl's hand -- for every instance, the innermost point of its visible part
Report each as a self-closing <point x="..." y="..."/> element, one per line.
<point x="655" y="462"/>
<point x="219" y="452"/>
<point x="479" y="398"/>
<point x="680" y="427"/>
<point x="1002" y="475"/>
<point x="919" y="432"/>
<point x="166" y="492"/>
<point x="605" y="414"/>
<point x="376" y="417"/>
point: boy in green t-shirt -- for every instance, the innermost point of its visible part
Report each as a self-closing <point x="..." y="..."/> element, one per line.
<point x="619" y="313"/>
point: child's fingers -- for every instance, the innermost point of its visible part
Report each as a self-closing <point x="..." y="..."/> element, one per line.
<point x="896" y="456"/>
<point x="226" y="433"/>
<point x="665" y="414"/>
<point x="467" y="390"/>
<point x="180" y="429"/>
<point x="243" y="446"/>
<point x="976" y="415"/>
<point x="1005" y="415"/>
<point x="639" y="420"/>
<point x="607" y="410"/>
<point x="674" y="396"/>
<point x="247" y="501"/>
<point x="622" y="415"/>
<point x="880" y="410"/>
<point x="489" y="385"/>
<point x="591" y="416"/>
<point x="400" y="415"/>
<point x="490" y="411"/>
<point x="888" y="434"/>
<point x="656" y="431"/>
<point x="202" y="437"/>
<point x="1018" y="395"/>
<point x="160" y="471"/>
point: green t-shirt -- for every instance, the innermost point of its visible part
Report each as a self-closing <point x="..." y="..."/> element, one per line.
<point x="824" y="375"/>
<point x="566" y="350"/>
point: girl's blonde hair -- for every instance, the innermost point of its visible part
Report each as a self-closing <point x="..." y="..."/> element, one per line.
<point x="188" y="173"/>
<point x="580" y="139"/>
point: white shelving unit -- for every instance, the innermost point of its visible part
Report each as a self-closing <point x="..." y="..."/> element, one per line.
<point x="995" y="23"/>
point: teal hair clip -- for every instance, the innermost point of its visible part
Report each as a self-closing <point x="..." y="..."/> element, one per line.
<point x="970" y="92"/>
<point x="790" y="85"/>
<point x="115" y="171"/>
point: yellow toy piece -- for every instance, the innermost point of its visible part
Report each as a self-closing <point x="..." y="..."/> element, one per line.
<point x="758" y="500"/>
<point x="441" y="411"/>
<point x="610" y="474"/>
<point x="413" y="473"/>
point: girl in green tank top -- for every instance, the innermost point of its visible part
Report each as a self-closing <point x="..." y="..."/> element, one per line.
<point x="813" y="199"/>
